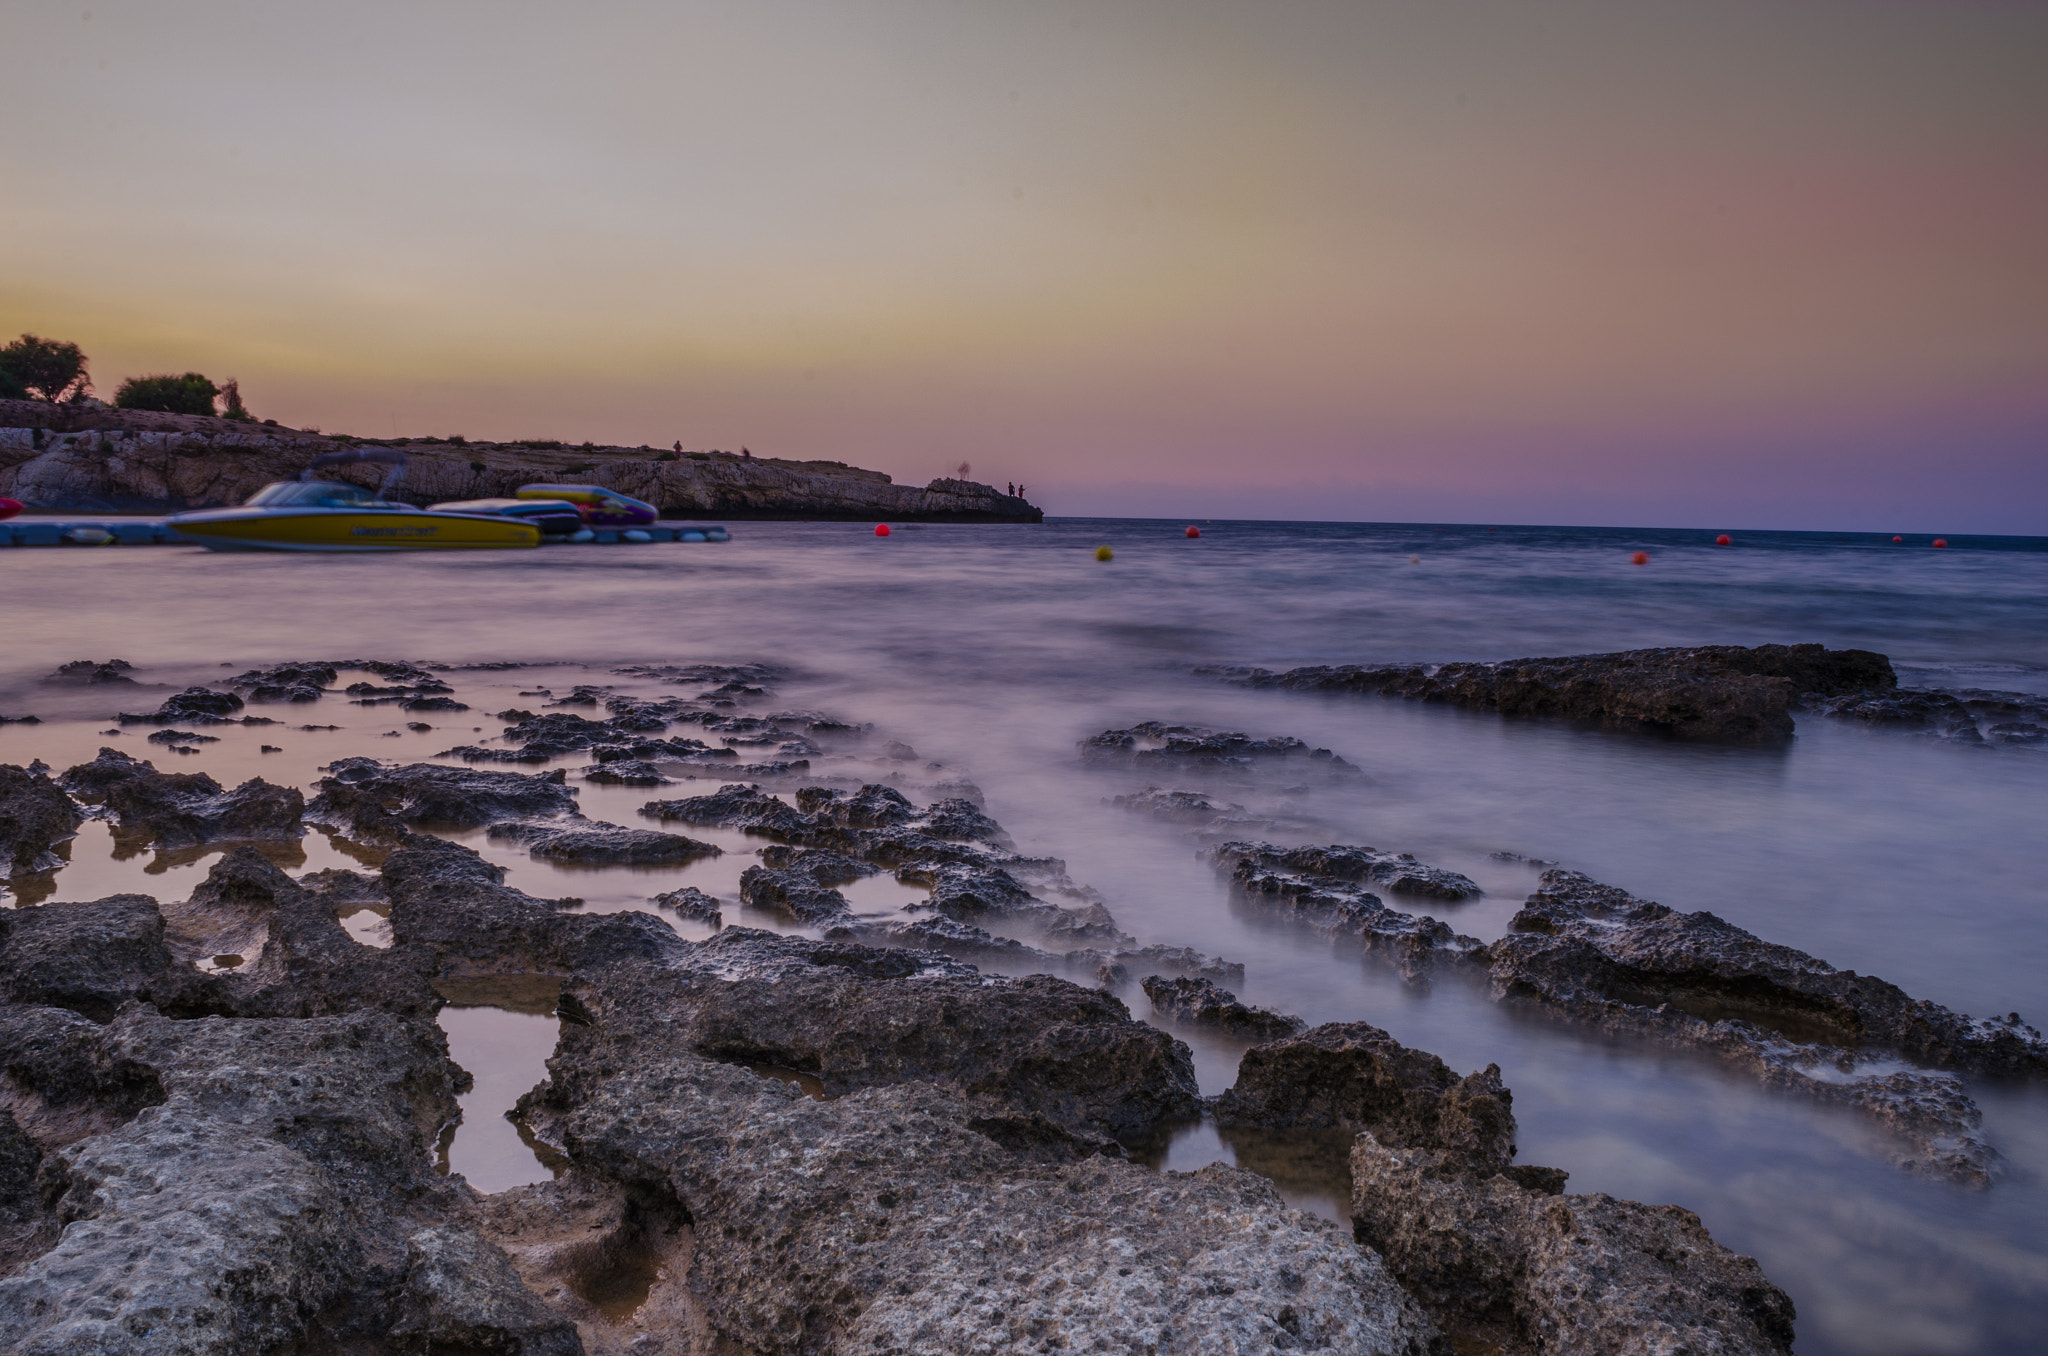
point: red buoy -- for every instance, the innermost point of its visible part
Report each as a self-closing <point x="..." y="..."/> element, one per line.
<point x="1898" y="538"/>
<point x="1724" y="540"/>
<point x="10" y="507"/>
<point x="1193" y="531"/>
<point x="881" y="529"/>
<point x="1640" y="558"/>
<point x="1941" y="541"/>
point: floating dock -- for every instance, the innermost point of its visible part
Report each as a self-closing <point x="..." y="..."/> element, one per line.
<point x="45" y="530"/>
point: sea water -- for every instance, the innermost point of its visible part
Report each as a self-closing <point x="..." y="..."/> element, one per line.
<point x="992" y="650"/>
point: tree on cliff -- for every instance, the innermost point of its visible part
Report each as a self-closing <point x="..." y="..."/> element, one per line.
<point x="189" y="394"/>
<point x="47" y="369"/>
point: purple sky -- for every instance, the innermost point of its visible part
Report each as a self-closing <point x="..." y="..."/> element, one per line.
<point x="1743" y="264"/>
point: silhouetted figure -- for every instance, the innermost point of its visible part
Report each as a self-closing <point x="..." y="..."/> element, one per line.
<point x="746" y="454"/>
<point x="1012" y="490"/>
<point x="679" y="447"/>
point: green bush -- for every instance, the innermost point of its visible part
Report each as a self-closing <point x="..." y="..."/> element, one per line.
<point x="189" y="394"/>
<point x="47" y="369"/>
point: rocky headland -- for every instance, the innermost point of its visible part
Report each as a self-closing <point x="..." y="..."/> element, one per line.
<point x="64" y="458"/>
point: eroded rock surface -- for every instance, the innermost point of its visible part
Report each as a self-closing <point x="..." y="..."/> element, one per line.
<point x="1158" y="744"/>
<point x="1322" y="888"/>
<point x="193" y="706"/>
<point x="265" y="1190"/>
<point x="857" y="1016"/>
<point x="185" y="809"/>
<point x="930" y="1220"/>
<point x="590" y="842"/>
<point x="35" y="816"/>
<point x="1200" y="1003"/>
<point x="365" y="798"/>
<point x="1601" y="955"/>
<point x="1564" y="1274"/>
<point x="1725" y="693"/>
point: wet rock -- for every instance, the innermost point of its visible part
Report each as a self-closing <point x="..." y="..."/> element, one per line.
<point x="1353" y="1076"/>
<point x="1339" y="907"/>
<point x="298" y="960"/>
<point x="260" y="1201"/>
<point x="461" y="1294"/>
<point x="878" y="826"/>
<point x="185" y="809"/>
<point x="1396" y="872"/>
<point x="735" y="806"/>
<point x="820" y="864"/>
<point x="625" y="772"/>
<point x="431" y="704"/>
<point x="2018" y="732"/>
<point x="1191" y="808"/>
<point x="181" y="737"/>
<point x="195" y="706"/>
<point x="964" y="941"/>
<point x="907" y="1221"/>
<point x="366" y="798"/>
<point x="92" y="958"/>
<point x="286" y="682"/>
<point x="589" y="842"/>
<point x="791" y="895"/>
<point x="407" y="686"/>
<point x="693" y="904"/>
<point x="451" y="912"/>
<point x="1200" y="1003"/>
<point x="1936" y="711"/>
<point x="1579" y="941"/>
<point x="1723" y="693"/>
<point x="1155" y="743"/>
<point x="26" y="1228"/>
<point x="85" y="673"/>
<point x="1577" y="1274"/>
<point x="1598" y="955"/>
<point x="701" y="675"/>
<point x="858" y="1016"/>
<point x="35" y="816"/>
<point x="62" y="1083"/>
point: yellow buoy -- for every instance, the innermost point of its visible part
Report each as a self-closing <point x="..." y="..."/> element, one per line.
<point x="1104" y="553"/>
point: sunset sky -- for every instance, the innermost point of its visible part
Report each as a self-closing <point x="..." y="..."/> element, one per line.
<point x="1714" y="264"/>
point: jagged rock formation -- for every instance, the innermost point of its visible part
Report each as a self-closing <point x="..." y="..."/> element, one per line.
<point x="1199" y="1002"/>
<point x="1590" y="953"/>
<point x="1490" y="1246"/>
<point x="1498" y="1254"/>
<point x="35" y="816"/>
<point x="1724" y="693"/>
<point x="60" y="458"/>
<point x="184" y="809"/>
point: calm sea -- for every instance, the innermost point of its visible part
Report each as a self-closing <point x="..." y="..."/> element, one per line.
<point x="992" y="650"/>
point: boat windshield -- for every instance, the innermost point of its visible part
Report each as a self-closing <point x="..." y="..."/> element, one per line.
<point x="313" y="494"/>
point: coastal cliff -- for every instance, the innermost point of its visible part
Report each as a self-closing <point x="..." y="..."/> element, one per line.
<point x="60" y="458"/>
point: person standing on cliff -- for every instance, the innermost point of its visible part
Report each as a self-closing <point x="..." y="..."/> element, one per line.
<point x="746" y="455"/>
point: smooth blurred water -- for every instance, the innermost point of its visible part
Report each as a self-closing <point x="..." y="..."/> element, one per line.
<point x="993" y="650"/>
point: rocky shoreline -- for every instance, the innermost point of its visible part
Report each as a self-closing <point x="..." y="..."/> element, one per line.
<point x="1729" y="694"/>
<point x="57" y="459"/>
<point x="218" y="1114"/>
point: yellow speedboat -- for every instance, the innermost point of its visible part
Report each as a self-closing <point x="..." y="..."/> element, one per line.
<point x="320" y="515"/>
